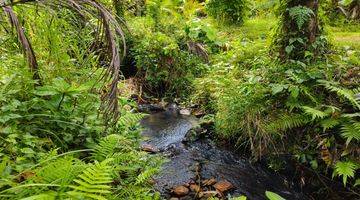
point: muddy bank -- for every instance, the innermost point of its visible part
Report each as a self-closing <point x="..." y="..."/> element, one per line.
<point x="191" y="164"/>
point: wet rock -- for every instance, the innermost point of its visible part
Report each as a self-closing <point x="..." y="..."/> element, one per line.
<point x="172" y="108"/>
<point x="150" y="108"/>
<point x="206" y="124"/>
<point x="149" y="148"/>
<point x="223" y="186"/>
<point x="180" y="190"/>
<point x="195" y="188"/>
<point x="207" y="194"/>
<point x="209" y="182"/>
<point x="185" y="112"/>
<point x="199" y="113"/>
<point x="194" y="134"/>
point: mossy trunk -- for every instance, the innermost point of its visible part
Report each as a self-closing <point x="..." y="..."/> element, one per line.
<point x="299" y="35"/>
<point x="119" y="7"/>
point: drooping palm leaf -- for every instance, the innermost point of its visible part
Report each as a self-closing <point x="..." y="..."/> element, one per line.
<point x="24" y="41"/>
<point x="108" y="32"/>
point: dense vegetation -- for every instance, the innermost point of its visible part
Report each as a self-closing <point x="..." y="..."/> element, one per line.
<point x="280" y="78"/>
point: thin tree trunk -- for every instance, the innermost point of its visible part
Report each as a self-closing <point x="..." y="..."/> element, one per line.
<point x="25" y="44"/>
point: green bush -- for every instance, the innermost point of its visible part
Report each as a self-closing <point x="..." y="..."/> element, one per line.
<point x="54" y="139"/>
<point x="231" y="11"/>
<point x="274" y="111"/>
<point x="163" y="68"/>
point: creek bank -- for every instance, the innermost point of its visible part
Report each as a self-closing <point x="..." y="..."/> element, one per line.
<point x="197" y="168"/>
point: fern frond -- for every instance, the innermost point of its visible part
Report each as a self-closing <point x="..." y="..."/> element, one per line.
<point x="329" y="123"/>
<point x="94" y="181"/>
<point x="145" y="175"/>
<point x="110" y="145"/>
<point x="287" y="121"/>
<point x="314" y="112"/>
<point x="348" y="94"/>
<point x="130" y="119"/>
<point x="351" y="131"/>
<point x="351" y="115"/>
<point x="345" y="169"/>
<point x="45" y="196"/>
<point x="61" y="171"/>
<point x="301" y="15"/>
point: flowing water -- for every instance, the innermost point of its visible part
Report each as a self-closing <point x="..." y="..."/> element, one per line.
<point x="166" y="130"/>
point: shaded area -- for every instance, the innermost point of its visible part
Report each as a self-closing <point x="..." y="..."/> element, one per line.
<point x="166" y="130"/>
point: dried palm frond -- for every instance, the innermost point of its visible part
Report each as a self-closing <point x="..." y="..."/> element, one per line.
<point x="24" y="41"/>
<point x="108" y="32"/>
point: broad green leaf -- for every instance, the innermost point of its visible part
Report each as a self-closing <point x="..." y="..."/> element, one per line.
<point x="273" y="196"/>
<point x="289" y="49"/>
<point x="277" y="88"/>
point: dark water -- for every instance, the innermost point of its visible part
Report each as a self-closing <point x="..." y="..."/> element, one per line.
<point x="166" y="130"/>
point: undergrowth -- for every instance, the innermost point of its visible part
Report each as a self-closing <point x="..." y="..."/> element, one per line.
<point x="55" y="141"/>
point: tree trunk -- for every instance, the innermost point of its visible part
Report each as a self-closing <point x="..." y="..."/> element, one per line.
<point x="119" y="7"/>
<point x="294" y="42"/>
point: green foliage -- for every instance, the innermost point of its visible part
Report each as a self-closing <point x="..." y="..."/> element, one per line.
<point x="345" y="170"/>
<point x="55" y="142"/>
<point x="301" y="15"/>
<point x="163" y="68"/>
<point x="166" y="64"/>
<point x="233" y="11"/>
<point x="273" y="196"/>
<point x="298" y="107"/>
<point x="299" y="34"/>
<point x="93" y="182"/>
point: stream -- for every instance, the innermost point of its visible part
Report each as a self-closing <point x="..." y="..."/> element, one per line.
<point x="202" y="160"/>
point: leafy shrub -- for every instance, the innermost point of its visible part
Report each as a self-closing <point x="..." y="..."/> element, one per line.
<point x="55" y="143"/>
<point x="163" y="68"/>
<point x="231" y="11"/>
<point x="261" y="110"/>
<point x="48" y="133"/>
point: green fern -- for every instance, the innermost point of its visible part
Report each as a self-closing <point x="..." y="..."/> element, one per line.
<point x="130" y="119"/>
<point x="110" y="145"/>
<point x="94" y="182"/>
<point x="345" y="169"/>
<point x="316" y="114"/>
<point x="351" y="131"/>
<point x="329" y="123"/>
<point x="61" y="171"/>
<point x="301" y="15"/>
<point x="288" y="121"/>
<point x="350" y="95"/>
<point x="357" y="182"/>
<point x="44" y="196"/>
<point x="146" y="175"/>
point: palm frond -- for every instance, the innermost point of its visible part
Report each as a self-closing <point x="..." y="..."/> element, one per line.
<point x="109" y="32"/>
<point x="24" y="41"/>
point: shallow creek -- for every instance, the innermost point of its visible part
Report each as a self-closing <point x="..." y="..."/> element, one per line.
<point x="202" y="159"/>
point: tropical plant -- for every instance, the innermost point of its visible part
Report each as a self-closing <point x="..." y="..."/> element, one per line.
<point x="293" y="40"/>
<point x="233" y="11"/>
